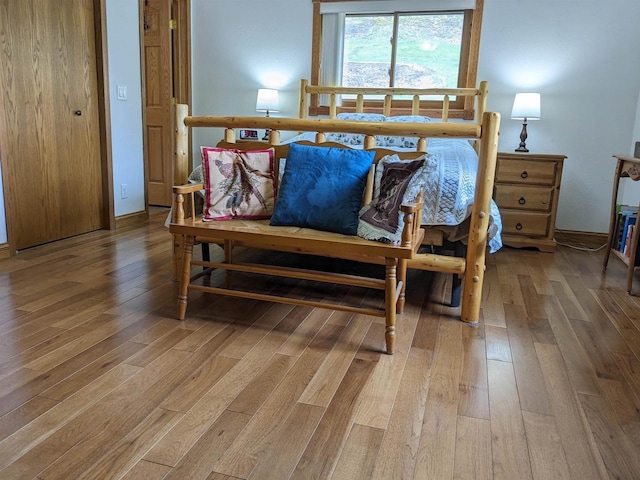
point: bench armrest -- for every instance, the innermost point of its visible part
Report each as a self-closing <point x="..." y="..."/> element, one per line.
<point x="412" y="216"/>
<point x="189" y="188"/>
<point x="180" y="191"/>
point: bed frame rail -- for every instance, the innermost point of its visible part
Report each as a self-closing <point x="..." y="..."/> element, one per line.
<point x="308" y="91"/>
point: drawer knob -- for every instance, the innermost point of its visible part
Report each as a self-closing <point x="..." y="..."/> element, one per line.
<point x="518" y="226"/>
<point x="522" y="201"/>
<point x="524" y="174"/>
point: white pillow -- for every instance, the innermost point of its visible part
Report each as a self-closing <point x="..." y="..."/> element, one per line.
<point x="354" y="138"/>
<point x="402" y="142"/>
<point x="409" y="119"/>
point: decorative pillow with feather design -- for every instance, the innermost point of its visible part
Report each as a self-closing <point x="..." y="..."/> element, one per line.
<point x="238" y="184"/>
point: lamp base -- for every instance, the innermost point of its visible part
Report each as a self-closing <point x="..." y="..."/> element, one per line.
<point x="523" y="138"/>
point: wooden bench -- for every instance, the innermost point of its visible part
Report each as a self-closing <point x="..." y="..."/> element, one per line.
<point x="259" y="234"/>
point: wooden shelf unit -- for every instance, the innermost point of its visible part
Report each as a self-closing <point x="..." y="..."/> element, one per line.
<point x="627" y="167"/>
<point x="527" y="187"/>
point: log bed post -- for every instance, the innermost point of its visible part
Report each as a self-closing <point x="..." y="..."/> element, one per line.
<point x="481" y="107"/>
<point x="304" y="108"/>
<point x="476" y="250"/>
<point x="181" y="172"/>
<point x="180" y="176"/>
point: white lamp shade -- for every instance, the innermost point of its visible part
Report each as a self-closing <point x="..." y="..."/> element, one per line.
<point x="267" y="100"/>
<point x="526" y="105"/>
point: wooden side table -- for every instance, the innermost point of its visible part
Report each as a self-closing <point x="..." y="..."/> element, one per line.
<point x="628" y="167"/>
<point x="526" y="191"/>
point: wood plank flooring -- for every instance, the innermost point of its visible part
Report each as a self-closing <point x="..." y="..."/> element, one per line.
<point x="98" y="379"/>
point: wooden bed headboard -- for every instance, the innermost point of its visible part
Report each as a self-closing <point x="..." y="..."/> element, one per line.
<point x="444" y="128"/>
<point x="309" y="95"/>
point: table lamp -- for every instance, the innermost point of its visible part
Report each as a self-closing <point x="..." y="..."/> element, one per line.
<point x="267" y="102"/>
<point x="526" y="106"/>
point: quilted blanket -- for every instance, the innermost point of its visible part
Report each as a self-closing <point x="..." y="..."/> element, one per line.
<point x="449" y="187"/>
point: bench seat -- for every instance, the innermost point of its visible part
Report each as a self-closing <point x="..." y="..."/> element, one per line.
<point x="259" y="234"/>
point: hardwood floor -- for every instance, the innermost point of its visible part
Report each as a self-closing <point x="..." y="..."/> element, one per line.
<point x="98" y="380"/>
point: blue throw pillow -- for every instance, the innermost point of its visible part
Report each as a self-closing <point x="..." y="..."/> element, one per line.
<point x="322" y="188"/>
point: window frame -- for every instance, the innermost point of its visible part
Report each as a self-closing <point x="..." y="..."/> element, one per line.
<point x="460" y="108"/>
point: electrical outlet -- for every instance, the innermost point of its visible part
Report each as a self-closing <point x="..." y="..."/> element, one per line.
<point x="123" y="191"/>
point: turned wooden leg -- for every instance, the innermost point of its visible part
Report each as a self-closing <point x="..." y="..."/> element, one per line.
<point x="402" y="277"/>
<point x="186" y="276"/>
<point x="228" y="258"/>
<point x="390" y="303"/>
<point x="178" y="256"/>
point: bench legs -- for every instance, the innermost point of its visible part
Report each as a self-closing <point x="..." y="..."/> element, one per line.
<point x="391" y="303"/>
<point x="186" y="276"/>
<point x="395" y="276"/>
<point x="402" y="277"/>
<point x="228" y="258"/>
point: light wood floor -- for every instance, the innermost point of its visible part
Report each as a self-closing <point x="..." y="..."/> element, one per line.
<point x="97" y="380"/>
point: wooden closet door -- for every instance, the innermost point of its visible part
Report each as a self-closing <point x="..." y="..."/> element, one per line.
<point x="49" y="124"/>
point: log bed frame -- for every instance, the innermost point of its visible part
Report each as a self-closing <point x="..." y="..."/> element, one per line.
<point x="188" y="228"/>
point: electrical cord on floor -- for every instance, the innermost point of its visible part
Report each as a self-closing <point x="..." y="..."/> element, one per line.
<point x="582" y="247"/>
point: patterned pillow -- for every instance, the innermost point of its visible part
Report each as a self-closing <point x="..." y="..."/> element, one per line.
<point x="238" y="184"/>
<point x="384" y="212"/>
<point x="322" y="188"/>
<point x="416" y="179"/>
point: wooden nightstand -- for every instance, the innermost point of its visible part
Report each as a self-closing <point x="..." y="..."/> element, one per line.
<point x="526" y="190"/>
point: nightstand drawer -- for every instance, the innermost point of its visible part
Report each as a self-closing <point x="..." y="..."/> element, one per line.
<point x="524" y="223"/>
<point x="524" y="198"/>
<point x="526" y="172"/>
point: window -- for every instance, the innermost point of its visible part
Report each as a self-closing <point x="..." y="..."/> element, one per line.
<point x="355" y="47"/>
<point x="424" y="51"/>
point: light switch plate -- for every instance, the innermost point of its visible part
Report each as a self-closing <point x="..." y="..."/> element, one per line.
<point x="122" y="92"/>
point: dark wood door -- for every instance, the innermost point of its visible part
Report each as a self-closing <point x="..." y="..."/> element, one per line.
<point x="49" y="124"/>
<point x="159" y="131"/>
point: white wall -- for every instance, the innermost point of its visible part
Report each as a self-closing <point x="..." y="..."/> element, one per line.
<point x="582" y="56"/>
<point x="123" y="44"/>
<point x="238" y="47"/>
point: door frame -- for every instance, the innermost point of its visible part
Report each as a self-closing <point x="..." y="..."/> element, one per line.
<point x="104" y="113"/>
<point x="104" y="118"/>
